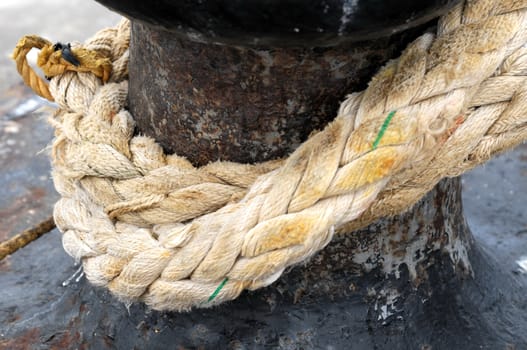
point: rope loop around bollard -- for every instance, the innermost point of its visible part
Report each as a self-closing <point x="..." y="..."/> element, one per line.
<point x="151" y="227"/>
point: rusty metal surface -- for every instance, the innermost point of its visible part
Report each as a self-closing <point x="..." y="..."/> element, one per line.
<point x="27" y="197"/>
<point x="209" y="102"/>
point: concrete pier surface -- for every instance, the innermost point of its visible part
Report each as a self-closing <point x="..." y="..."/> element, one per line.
<point x="35" y="278"/>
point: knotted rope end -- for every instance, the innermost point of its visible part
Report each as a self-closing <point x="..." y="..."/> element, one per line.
<point x="56" y="59"/>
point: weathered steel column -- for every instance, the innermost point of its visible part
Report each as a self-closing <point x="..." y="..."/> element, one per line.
<point x="249" y="81"/>
<point x="209" y="101"/>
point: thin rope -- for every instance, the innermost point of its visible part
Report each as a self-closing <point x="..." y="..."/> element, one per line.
<point x="22" y="239"/>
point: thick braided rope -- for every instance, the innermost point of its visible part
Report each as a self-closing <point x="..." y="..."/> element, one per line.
<point x="152" y="227"/>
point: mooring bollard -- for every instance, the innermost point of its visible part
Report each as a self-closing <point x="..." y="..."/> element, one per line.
<point x="248" y="82"/>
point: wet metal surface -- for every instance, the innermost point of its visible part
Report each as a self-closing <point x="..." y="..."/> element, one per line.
<point x="495" y="199"/>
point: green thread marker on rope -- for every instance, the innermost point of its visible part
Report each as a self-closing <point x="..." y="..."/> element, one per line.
<point x="383" y="129"/>
<point x="217" y="291"/>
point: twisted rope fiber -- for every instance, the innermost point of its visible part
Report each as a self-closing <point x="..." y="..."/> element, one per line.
<point x="151" y="227"/>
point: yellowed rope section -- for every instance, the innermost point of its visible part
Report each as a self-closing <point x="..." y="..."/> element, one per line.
<point x="151" y="227"/>
<point x="51" y="61"/>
